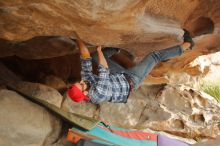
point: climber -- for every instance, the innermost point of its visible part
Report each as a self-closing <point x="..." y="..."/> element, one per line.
<point x="114" y="83"/>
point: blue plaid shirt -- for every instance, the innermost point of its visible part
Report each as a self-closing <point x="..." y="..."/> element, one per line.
<point x="105" y="86"/>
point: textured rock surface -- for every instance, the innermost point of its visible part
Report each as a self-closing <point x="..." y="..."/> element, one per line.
<point x="23" y="123"/>
<point x="138" y="26"/>
<point x="38" y="47"/>
<point x="41" y="91"/>
<point x="103" y="18"/>
<point x="174" y="109"/>
<point x="214" y="142"/>
<point x="55" y="82"/>
<point x="204" y="68"/>
<point x="210" y="64"/>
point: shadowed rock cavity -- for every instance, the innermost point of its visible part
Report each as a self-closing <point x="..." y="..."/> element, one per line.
<point x="36" y="59"/>
<point x="202" y="26"/>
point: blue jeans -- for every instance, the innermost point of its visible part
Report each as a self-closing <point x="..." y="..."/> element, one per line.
<point x="138" y="73"/>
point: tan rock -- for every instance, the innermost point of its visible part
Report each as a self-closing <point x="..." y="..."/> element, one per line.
<point x="39" y="30"/>
<point x="81" y="108"/>
<point x="55" y="82"/>
<point x="40" y="91"/>
<point x="213" y="142"/>
<point x="24" y="123"/>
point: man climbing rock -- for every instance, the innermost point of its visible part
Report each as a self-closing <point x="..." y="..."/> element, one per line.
<point x="113" y="82"/>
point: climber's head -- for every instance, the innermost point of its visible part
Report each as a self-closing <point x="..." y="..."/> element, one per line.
<point x="79" y="91"/>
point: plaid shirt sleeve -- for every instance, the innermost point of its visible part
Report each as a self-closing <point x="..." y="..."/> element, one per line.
<point x="86" y="69"/>
<point x="102" y="91"/>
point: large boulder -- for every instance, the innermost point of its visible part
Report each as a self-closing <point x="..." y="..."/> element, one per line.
<point x="24" y="123"/>
<point x="42" y="29"/>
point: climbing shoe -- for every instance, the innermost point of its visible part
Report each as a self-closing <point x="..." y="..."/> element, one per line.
<point x="188" y="38"/>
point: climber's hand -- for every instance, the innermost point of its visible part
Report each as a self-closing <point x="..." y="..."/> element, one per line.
<point x="99" y="48"/>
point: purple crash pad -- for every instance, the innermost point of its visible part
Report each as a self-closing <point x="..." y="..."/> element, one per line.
<point x="166" y="141"/>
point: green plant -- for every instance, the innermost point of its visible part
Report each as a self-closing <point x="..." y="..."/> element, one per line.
<point x="212" y="89"/>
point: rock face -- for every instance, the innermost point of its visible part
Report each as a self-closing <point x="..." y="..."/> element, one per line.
<point x="174" y="109"/>
<point x="28" y="30"/>
<point x="40" y="91"/>
<point x="210" y="64"/>
<point x="204" y="68"/>
<point x="214" y="142"/>
<point x="103" y="19"/>
<point x="55" y="82"/>
<point x="23" y="123"/>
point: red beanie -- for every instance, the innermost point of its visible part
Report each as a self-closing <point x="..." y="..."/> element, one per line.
<point x="76" y="94"/>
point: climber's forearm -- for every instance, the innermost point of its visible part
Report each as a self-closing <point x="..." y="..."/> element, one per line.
<point x="101" y="57"/>
<point x="84" y="52"/>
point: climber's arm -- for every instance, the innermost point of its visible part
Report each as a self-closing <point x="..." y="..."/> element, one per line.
<point x="85" y="59"/>
<point x="101" y="57"/>
<point x="84" y="52"/>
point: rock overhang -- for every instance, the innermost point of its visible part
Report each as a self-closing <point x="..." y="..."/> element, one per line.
<point x="41" y="29"/>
